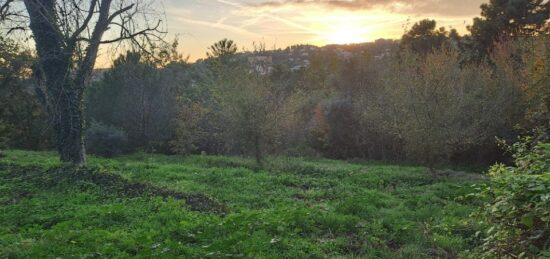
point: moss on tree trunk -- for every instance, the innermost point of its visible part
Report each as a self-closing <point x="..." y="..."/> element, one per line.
<point x="68" y="125"/>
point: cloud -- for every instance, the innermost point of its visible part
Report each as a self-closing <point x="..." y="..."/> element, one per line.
<point x="258" y="16"/>
<point x="352" y="4"/>
<point x="413" y="7"/>
<point x="219" y="25"/>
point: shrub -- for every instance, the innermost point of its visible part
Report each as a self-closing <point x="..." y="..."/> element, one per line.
<point x="438" y="107"/>
<point x="518" y="207"/>
<point x="104" y="140"/>
<point x="21" y="118"/>
<point x="4" y="130"/>
<point x="251" y="108"/>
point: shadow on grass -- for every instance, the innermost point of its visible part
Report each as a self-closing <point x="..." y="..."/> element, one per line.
<point x="113" y="183"/>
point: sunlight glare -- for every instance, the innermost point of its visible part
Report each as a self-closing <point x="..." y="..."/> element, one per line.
<point x="343" y="30"/>
<point x="344" y="36"/>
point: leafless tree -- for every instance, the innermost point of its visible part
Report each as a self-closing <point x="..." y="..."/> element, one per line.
<point x="68" y="35"/>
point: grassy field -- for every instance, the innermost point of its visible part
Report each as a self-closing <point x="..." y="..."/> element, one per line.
<point x="205" y="206"/>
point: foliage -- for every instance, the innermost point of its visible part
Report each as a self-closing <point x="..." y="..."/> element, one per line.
<point x="190" y="131"/>
<point x="293" y="208"/>
<point x="423" y="37"/>
<point x="251" y="108"/>
<point x="222" y="49"/>
<point x="536" y="74"/>
<point x="23" y="124"/>
<point x="106" y="141"/>
<point x="139" y="97"/>
<point x="438" y="106"/>
<point x="348" y="132"/>
<point x="198" y="125"/>
<point x="509" y="19"/>
<point x="338" y="106"/>
<point x="334" y="129"/>
<point x="518" y="207"/>
<point x="232" y="108"/>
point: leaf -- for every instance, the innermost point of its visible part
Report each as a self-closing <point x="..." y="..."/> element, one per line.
<point x="527" y="220"/>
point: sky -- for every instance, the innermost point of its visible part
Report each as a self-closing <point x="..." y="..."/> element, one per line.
<point x="281" y="23"/>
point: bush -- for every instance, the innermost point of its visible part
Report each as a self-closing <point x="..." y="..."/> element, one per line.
<point x="106" y="141"/>
<point x="518" y="208"/>
<point x="437" y="106"/>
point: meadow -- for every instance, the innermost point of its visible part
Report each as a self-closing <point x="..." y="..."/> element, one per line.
<point x="149" y="205"/>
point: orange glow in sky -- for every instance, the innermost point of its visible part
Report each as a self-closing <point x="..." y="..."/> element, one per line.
<point x="281" y="23"/>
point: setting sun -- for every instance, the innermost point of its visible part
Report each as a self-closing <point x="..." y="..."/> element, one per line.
<point x="346" y="27"/>
<point x="343" y="28"/>
<point x="344" y="35"/>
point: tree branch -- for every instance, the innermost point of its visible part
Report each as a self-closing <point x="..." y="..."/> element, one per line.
<point x="119" y="12"/>
<point x="86" y="21"/>
<point x="4" y="9"/>
<point x="132" y="35"/>
<point x="87" y="65"/>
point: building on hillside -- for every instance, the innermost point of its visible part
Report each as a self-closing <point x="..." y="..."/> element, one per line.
<point x="261" y="64"/>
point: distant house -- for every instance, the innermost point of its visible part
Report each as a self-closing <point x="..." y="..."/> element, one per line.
<point x="261" y="64"/>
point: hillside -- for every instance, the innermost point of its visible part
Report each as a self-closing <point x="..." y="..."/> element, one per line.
<point x="206" y="206"/>
<point x="297" y="57"/>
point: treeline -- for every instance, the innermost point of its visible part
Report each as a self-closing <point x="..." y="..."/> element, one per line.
<point x="430" y="106"/>
<point x="434" y="97"/>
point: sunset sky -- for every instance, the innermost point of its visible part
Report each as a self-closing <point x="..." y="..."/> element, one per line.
<point x="280" y="23"/>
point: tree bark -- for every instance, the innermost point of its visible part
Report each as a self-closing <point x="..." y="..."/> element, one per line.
<point x="63" y="91"/>
<point x="68" y="127"/>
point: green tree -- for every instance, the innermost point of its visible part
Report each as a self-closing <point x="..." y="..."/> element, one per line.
<point x="250" y="108"/>
<point x="509" y="19"/>
<point x="22" y="123"/>
<point x="424" y="37"/>
<point x="437" y="106"/>
<point x="222" y="49"/>
<point x="139" y="97"/>
<point x="198" y="122"/>
<point x="536" y="71"/>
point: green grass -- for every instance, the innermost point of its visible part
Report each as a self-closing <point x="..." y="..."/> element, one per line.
<point x="311" y="208"/>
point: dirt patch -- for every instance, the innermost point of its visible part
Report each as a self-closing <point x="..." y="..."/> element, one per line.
<point x="393" y="245"/>
<point x="47" y="178"/>
<point x="301" y="186"/>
